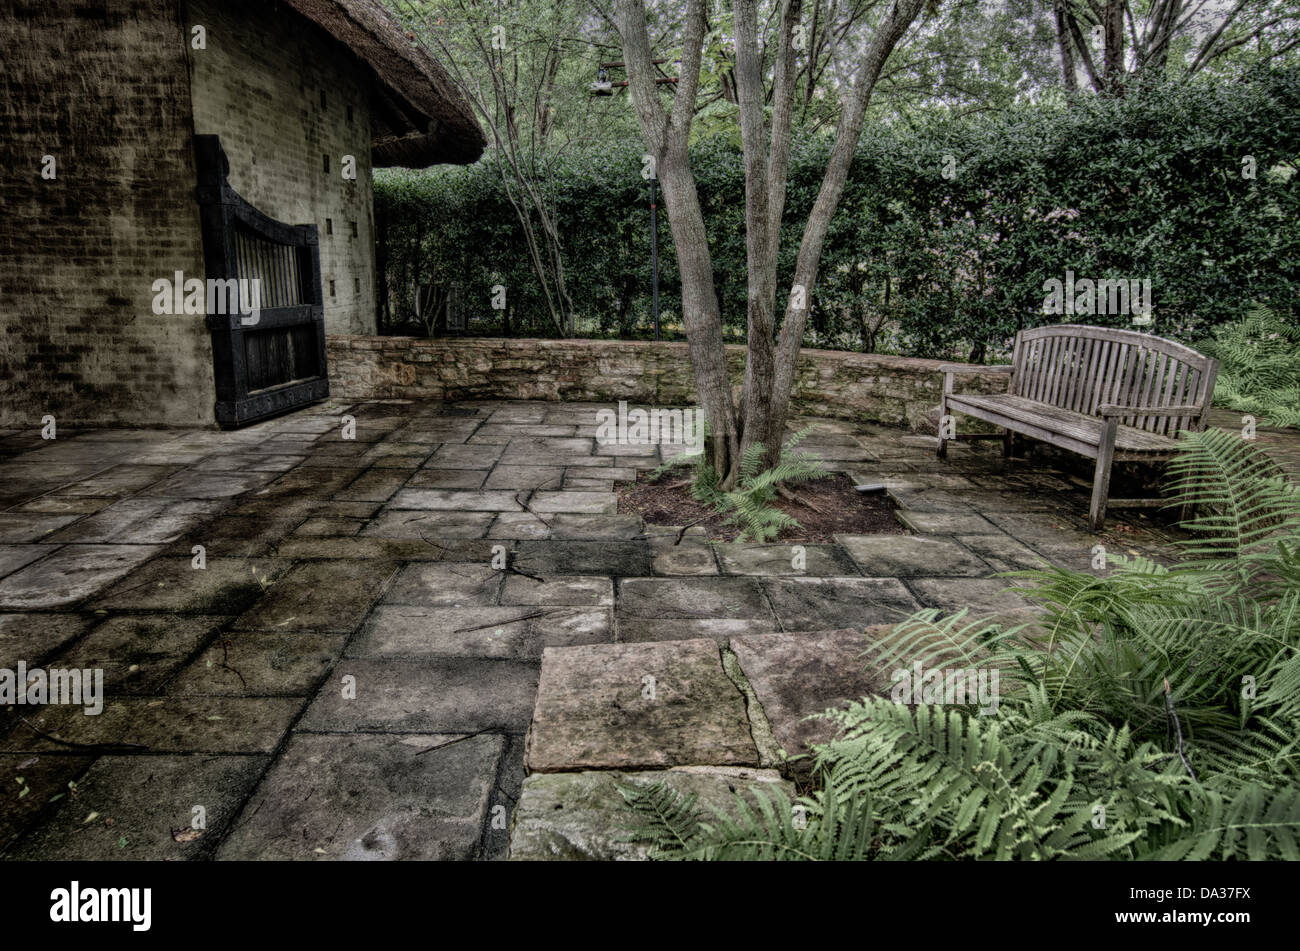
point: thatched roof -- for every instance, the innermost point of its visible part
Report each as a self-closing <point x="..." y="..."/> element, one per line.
<point x="419" y="119"/>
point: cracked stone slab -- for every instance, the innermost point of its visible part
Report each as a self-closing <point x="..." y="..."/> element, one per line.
<point x="525" y="477"/>
<point x="582" y="816"/>
<point x="637" y="706"/>
<point x="330" y="597"/>
<point x="71" y="574"/>
<point x="796" y="675"/>
<point x="505" y="632"/>
<point x="907" y="556"/>
<point x="738" y="558"/>
<point x="150" y="801"/>
<point x="429" y="526"/>
<point x="370" y="798"/>
<point x="434" y="695"/>
<point x="812" y="604"/>
<point x="735" y="598"/>
<point x="252" y="664"/>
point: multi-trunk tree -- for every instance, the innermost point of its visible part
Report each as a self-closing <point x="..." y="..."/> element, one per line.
<point x="766" y="114"/>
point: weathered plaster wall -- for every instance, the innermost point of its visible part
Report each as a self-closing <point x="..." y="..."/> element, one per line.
<point x="258" y="85"/>
<point x="899" y="391"/>
<point x="103" y="89"/>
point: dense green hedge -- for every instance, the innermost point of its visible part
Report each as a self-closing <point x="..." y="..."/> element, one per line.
<point x="1147" y="187"/>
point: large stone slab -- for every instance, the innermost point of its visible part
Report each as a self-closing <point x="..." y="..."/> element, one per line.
<point x="983" y="596"/>
<point x="734" y="598"/>
<point x="797" y="675"/>
<point x="70" y="574"/>
<point x="143" y="807"/>
<point x="908" y="556"/>
<point x="811" y="604"/>
<point x="457" y="501"/>
<point x="225" y="586"/>
<point x="252" y="664"/>
<point x="139" y="522"/>
<point x="739" y="558"/>
<point x="637" y="706"/>
<point x="575" y="502"/>
<point x="583" y="816"/>
<point x="620" y="559"/>
<point x="44" y="777"/>
<point x="577" y="590"/>
<point x="163" y="725"/>
<point x="633" y="630"/>
<point x="138" y="653"/>
<point x="370" y="798"/>
<point x="20" y="527"/>
<point x="325" y="596"/>
<point x="505" y="632"/>
<point x="31" y="637"/>
<point x="445" y="585"/>
<point x="13" y="557"/>
<point x="434" y="695"/>
<point x="429" y="526"/>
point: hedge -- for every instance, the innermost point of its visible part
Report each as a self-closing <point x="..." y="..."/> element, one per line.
<point x="943" y="241"/>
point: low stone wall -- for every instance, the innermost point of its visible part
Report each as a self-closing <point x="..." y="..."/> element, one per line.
<point x="899" y="391"/>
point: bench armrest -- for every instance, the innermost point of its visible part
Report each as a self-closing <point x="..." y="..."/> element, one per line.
<point x="1110" y="409"/>
<point x="973" y="368"/>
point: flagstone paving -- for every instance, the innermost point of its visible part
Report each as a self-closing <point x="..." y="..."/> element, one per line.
<point x="325" y="648"/>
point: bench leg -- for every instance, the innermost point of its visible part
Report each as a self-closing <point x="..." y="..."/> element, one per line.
<point x="1007" y="437"/>
<point x="942" y="450"/>
<point x="1101" y="477"/>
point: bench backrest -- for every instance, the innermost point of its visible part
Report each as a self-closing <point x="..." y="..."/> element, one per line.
<point x="1081" y="368"/>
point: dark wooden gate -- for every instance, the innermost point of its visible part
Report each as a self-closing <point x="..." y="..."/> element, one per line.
<point x="275" y="361"/>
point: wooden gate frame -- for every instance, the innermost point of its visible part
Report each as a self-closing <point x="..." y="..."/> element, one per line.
<point x="221" y="209"/>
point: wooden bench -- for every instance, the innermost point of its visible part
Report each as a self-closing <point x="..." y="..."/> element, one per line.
<point x="1111" y="395"/>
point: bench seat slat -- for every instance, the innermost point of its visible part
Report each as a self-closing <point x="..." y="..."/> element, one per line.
<point x="1077" y="427"/>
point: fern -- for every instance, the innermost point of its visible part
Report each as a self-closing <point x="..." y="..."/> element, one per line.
<point x="1081" y="759"/>
<point x="1259" y="366"/>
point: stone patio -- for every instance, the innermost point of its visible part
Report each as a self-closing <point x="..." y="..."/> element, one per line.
<point x="344" y="671"/>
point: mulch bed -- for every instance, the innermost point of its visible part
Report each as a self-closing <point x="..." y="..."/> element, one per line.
<point x="840" y="508"/>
